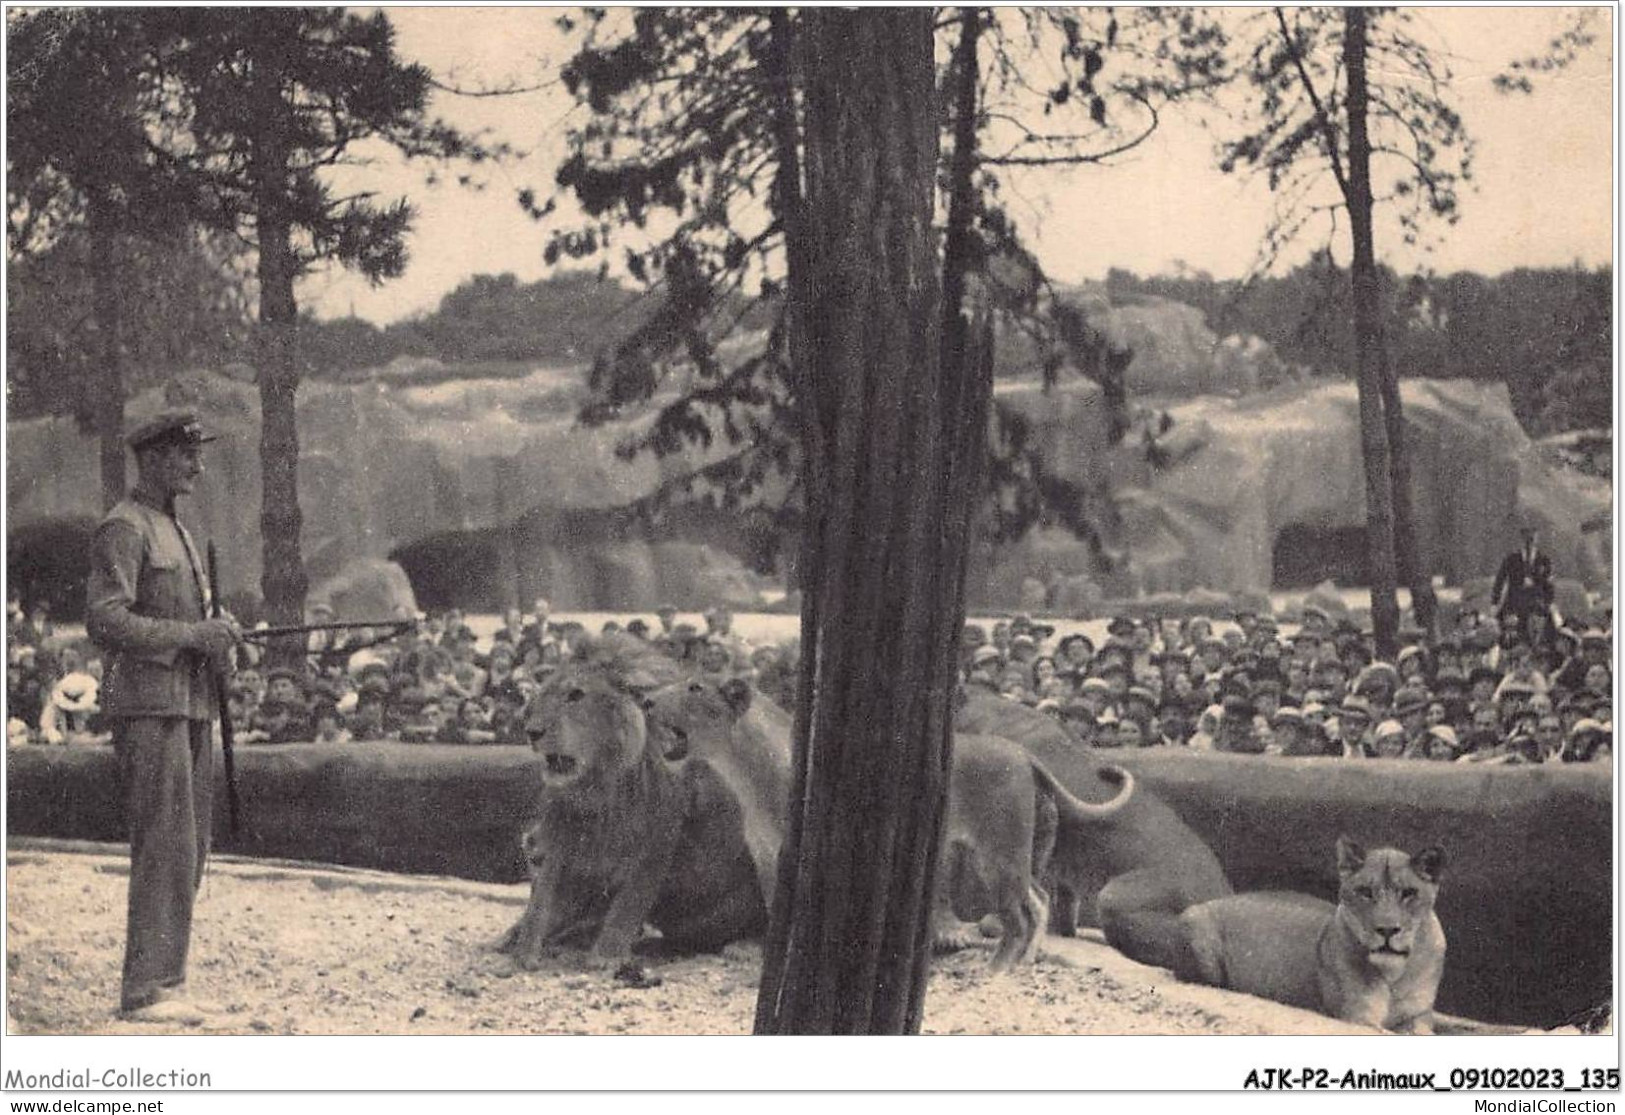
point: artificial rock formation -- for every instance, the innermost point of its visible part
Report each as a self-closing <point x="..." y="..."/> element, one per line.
<point x="1267" y="491"/>
<point x="487" y="491"/>
<point x="489" y="494"/>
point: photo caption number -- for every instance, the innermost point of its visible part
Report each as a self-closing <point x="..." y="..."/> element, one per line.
<point x="1600" y="1078"/>
<point x="1499" y="1079"/>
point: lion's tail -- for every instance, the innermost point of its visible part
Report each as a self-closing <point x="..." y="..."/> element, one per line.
<point x="1075" y="811"/>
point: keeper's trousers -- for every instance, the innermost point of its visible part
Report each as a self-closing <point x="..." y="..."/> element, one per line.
<point x="167" y="766"/>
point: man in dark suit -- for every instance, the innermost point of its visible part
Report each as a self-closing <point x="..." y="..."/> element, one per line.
<point x="1523" y="585"/>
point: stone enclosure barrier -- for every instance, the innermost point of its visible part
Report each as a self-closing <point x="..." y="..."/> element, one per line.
<point x="1527" y="899"/>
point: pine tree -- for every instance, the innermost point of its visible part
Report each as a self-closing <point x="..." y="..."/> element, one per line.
<point x="84" y="107"/>
<point x="275" y="98"/>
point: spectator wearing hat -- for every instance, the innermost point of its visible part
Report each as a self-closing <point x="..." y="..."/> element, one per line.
<point x="1482" y="684"/>
<point x="1095" y="694"/>
<point x="1111" y="669"/>
<point x="1316" y="620"/>
<point x="68" y="711"/>
<point x="470" y="724"/>
<point x="1520" y="685"/>
<point x="284" y="684"/>
<point x="1015" y="684"/>
<point x="318" y="643"/>
<point x="1140" y="705"/>
<point x="1238" y="732"/>
<point x="1206" y="736"/>
<point x="1589" y="740"/>
<point x="1142" y="644"/>
<point x="1077" y="653"/>
<point x="1548" y="735"/>
<point x="1441" y="745"/>
<point x="1298" y="733"/>
<point x="986" y="667"/>
<point x="1411" y="709"/>
<point x="712" y="658"/>
<point x="1449" y="682"/>
<point x="719" y="627"/>
<point x="1599" y="681"/>
<point x="327" y="723"/>
<point x="1170" y="636"/>
<point x="429" y="725"/>
<point x="1437" y="712"/>
<point x="1297" y="683"/>
<point x="1388" y="740"/>
<point x="367" y="721"/>
<point x="1331" y="677"/>
<point x="285" y="721"/>
<point x="1594" y="648"/>
<point x="147" y="608"/>
<point x="1173" y="727"/>
<point x="1023" y="649"/>
<point x="1196" y="629"/>
<point x="1353" y="726"/>
<point x="1412" y="665"/>
<point x="1130" y="733"/>
<point x="1122" y="628"/>
<point x="1267" y="698"/>
<point x="1213" y="654"/>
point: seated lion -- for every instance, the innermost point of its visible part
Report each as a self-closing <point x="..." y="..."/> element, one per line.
<point x="611" y="817"/>
<point x="668" y="806"/>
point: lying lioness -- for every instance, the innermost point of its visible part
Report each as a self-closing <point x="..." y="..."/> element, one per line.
<point x="1374" y="958"/>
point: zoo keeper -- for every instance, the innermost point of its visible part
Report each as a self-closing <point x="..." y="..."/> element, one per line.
<point x="147" y="609"/>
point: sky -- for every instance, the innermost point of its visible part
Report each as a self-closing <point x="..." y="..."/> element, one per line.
<point x="1542" y="196"/>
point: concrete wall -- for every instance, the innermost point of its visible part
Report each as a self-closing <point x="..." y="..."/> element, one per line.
<point x="1526" y="903"/>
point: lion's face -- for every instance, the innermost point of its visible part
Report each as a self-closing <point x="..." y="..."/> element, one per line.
<point x="693" y="715"/>
<point x="585" y="727"/>
<point x="1385" y="896"/>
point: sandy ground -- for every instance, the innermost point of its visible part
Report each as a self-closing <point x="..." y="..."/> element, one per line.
<point x="302" y="949"/>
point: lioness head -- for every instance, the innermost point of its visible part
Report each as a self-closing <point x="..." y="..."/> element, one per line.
<point x="1385" y="896"/>
<point x="689" y="714"/>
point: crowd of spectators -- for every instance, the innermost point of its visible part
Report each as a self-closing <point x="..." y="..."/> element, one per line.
<point x="435" y="684"/>
<point x="1478" y="694"/>
<point x="52" y="688"/>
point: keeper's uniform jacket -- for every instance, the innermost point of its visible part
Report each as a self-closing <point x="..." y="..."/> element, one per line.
<point x="146" y="582"/>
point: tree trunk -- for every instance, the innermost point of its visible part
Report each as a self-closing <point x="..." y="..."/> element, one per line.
<point x="1368" y="346"/>
<point x="892" y="442"/>
<point x="1412" y="569"/>
<point x="108" y="383"/>
<point x="282" y="577"/>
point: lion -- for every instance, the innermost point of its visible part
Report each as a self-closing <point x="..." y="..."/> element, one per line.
<point x="612" y="818"/>
<point x="1375" y="958"/>
<point x="1139" y="871"/>
<point x="1005" y="811"/>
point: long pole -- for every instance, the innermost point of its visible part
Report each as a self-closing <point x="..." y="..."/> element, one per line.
<point x="227" y="732"/>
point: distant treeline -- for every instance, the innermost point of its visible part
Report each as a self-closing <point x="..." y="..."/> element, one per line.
<point x="488" y="319"/>
<point x="1547" y="333"/>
